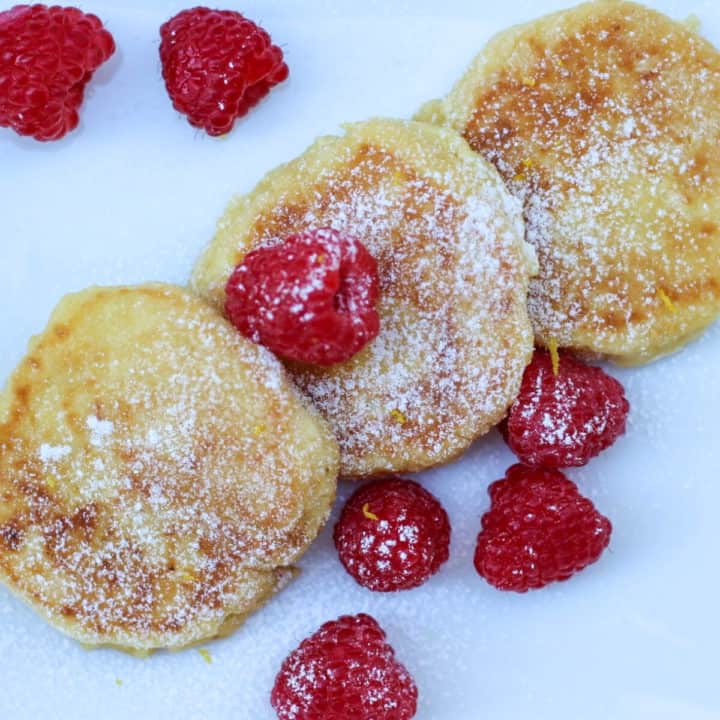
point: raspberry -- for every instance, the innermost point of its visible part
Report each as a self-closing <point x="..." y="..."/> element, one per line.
<point x="311" y="298"/>
<point x="47" y="57"/>
<point x="392" y="535"/>
<point x="345" y="670"/>
<point x="564" y="420"/>
<point x="539" y="530"/>
<point x="217" y="65"/>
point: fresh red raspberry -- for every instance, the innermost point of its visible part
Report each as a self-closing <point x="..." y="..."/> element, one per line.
<point x="47" y="57"/>
<point x="311" y="298"/>
<point x="539" y="530"/>
<point x="392" y="535"/>
<point x="564" y="420"/>
<point x="217" y="65"/>
<point x="345" y="670"/>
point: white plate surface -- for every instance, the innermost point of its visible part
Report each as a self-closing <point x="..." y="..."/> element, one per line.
<point x="133" y="195"/>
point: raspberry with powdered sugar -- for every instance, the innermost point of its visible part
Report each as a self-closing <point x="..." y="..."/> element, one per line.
<point x="567" y="412"/>
<point x="345" y="670"/>
<point x="311" y="298"/>
<point x="392" y="535"/>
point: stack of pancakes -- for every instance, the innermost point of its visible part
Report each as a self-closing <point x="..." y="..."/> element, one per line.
<point x="160" y="474"/>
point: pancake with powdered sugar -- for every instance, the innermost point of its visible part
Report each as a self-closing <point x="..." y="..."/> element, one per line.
<point x="454" y="332"/>
<point x="604" y="120"/>
<point x="159" y="474"/>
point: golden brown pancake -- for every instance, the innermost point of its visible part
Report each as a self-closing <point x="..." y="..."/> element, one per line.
<point x="605" y="121"/>
<point x="159" y="474"/>
<point x="448" y="238"/>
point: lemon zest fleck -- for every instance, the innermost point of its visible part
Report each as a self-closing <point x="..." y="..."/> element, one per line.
<point x="527" y="163"/>
<point x="667" y="302"/>
<point x="205" y="655"/>
<point x="529" y="82"/>
<point x="369" y="515"/>
<point x="51" y="482"/>
<point x="520" y="177"/>
<point x="398" y="417"/>
<point x="259" y="430"/>
<point x="188" y="576"/>
<point x="554" y="355"/>
<point x="118" y="682"/>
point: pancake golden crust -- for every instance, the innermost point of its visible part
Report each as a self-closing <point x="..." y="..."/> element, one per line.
<point x="454" y="337"/>
<point x="158" y="473"/>
<point x="605" y="121"/>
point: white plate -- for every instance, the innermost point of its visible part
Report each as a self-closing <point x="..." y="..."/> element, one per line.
<point x="133" y="195"/>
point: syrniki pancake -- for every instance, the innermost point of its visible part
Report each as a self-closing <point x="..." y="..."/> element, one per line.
<point x="159" y="475"/>
<point x="605" y="121"/>
<point x="454" y="332"/>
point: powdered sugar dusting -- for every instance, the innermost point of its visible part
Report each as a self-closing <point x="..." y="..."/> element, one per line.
<point x="52" y="453"/>
<point x="607" y="129"/>
<point x="99" y="430"/>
